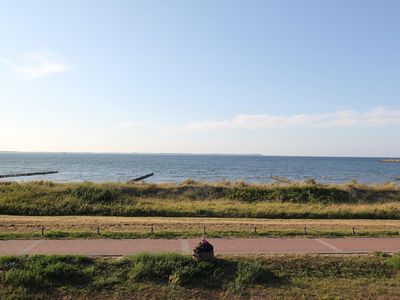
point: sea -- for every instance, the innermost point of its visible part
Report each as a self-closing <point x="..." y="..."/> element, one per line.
<point x="96" y="167"/>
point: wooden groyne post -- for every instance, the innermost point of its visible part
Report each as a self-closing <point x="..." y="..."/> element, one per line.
<point x="281" y="179"/>
<point x="28" y="174"/>
<point x="140" y="178"/>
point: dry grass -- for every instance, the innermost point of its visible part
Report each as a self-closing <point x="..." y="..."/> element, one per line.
<point x="191" y="199"/>
<point x="231" y="226"/>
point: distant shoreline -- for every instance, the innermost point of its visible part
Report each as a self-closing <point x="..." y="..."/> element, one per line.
<point x="383" y="158"/>
<point x="132" y="153"/>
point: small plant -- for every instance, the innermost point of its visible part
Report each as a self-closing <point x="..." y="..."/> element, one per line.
<point x="189" y="181"/>
<point x="247" y="274"/>
<point x="310" y="181"/>
<point x="203" y="251"/>
<point x="157" y="267"/>
<point x="191" y="274"/>
<point x="39" y="271"/>
<point x="380" y="254"/>
<point x="394" y="261"/>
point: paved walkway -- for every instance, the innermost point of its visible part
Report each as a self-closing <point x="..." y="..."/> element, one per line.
<point x="112" y="247"/>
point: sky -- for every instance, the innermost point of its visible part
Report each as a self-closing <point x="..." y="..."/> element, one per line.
<point x="280" y="77"/>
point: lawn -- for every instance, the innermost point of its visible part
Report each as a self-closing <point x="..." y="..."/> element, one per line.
<point x="173" y="276"/>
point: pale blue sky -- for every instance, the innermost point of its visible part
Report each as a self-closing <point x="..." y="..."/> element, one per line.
<point x="271" y="77"/>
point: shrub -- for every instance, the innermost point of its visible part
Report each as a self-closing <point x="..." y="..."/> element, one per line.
<point x="61" y="272"/>
<point x="174" y="269"/>
<point x="92" y="193"/>
<point x="203" y="246"/>
<point x="157" y="267"/>
<point x="192" y="274"/>
<point x="189" y="181"/>
<point x="394" y="261"/>
<point x="39" y="271"/>
<point x="380" y="254"/>
<point x="247" y="274"/>
<point x="30" y="279"/>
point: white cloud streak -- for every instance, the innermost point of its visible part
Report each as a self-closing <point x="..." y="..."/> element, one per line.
<point x="376" y="117"/>
<point x="36" y="65"/>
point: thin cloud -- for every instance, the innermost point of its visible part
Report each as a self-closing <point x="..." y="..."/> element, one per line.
<point x="376" y="117"/>
<point x="37" y="65"/>
<point x="132" y="124"/>
<point x="141" y="125"/>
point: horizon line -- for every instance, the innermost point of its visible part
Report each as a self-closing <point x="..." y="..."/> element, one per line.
<point x="194" y="154"/>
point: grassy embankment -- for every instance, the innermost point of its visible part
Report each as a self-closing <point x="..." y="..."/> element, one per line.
<point x="191" y="199"/>
<point x="173" y="276"/>
<point x="235" y="200"/>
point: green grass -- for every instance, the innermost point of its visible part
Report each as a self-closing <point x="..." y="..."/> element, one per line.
<point x="174" y="276"/>
<point x="52" y="234"/>
<point x="202" y="200"/>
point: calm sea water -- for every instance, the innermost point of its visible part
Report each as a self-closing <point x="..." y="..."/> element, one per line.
<point x="175" y="168"/>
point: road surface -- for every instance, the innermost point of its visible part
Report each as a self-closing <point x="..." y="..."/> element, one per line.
<point x="240" y="246"/>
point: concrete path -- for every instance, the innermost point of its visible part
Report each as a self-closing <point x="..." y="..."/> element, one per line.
<point x="112" y="247"/>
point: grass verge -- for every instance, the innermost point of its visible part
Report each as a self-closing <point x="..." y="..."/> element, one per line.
<point x="186" y="234"/>
<point x="173" y="276"/>
<point x="30" y="227"/>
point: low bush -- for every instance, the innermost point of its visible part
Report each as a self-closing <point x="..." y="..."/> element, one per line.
<point x="171" y="268"/>
<point x="394" y="261"/>
<point x="248" y="274"/>
<point x="193" y="274"/>
<point x="29" y="279"/>
<point x="184" y="271"/>
<point x="40" y="271"/>
<point x="151" y="267"/>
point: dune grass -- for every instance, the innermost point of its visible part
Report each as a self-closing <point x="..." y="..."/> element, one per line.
<point x="191" y="199"/>
<point x="174" y="276"/>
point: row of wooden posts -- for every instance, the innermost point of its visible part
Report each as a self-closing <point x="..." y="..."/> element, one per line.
<point x="204" y="230"/>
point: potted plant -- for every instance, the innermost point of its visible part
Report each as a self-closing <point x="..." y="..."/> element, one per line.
<point x="203" y="251"/>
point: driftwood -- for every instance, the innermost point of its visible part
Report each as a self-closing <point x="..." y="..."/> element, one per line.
<point x="140" y="178"/>
<point x="281" y="179"/>
<point x="28" y="174"/>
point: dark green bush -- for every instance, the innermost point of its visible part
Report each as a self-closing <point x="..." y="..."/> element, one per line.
<point x="61" y="273"/>
<point x="193" y="274"/>
<point x="38" y="271"/>
<point x="247" y="274"/>
<point x="159" y="268"/>
<point x="394" y="261"/>
<point x="91" y="193"/>
<point x="29" y="279"/>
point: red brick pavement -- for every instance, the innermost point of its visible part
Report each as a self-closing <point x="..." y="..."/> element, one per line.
<point x="113" y="247"/>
